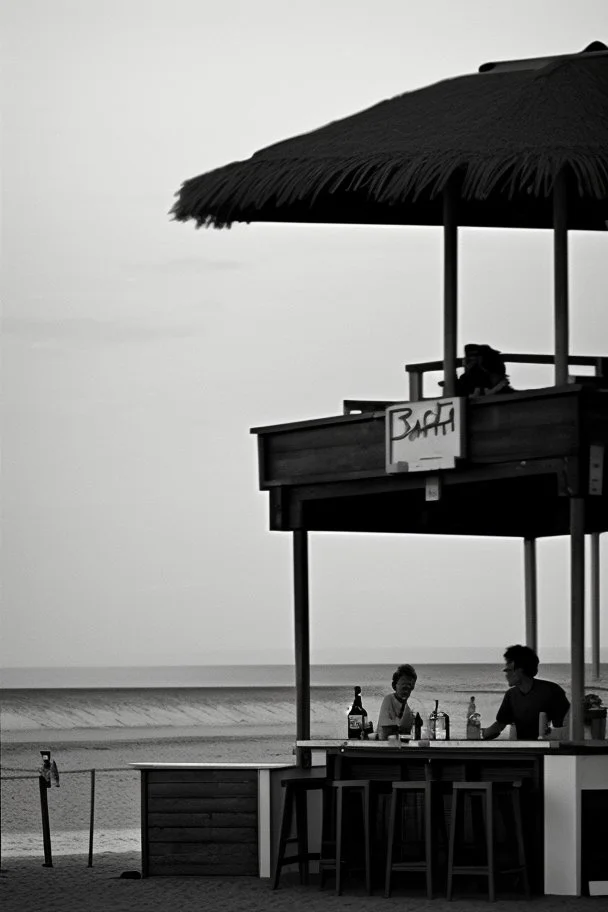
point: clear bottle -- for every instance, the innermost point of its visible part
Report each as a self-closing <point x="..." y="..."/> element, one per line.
<point x="439" y="725"/>
<point x="357" y="718"/>
<point x="473" y="729"/>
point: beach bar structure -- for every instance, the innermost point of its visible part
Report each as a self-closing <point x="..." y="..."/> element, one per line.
<point x="519" y="144"/>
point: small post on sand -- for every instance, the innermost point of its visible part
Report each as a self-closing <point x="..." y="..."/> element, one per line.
<point x="92" y="819"/>
<point x="44" y="784"/>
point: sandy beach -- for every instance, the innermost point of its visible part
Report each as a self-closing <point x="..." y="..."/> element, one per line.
<point x="72" y="887"/>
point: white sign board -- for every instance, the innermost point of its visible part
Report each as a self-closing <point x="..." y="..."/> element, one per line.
<point x="425" y="436"/>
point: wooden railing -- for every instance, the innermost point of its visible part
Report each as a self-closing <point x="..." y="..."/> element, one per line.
<point x="416" y="373"/>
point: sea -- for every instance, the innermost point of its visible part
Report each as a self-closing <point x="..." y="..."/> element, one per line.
<point x="106" y="719"/>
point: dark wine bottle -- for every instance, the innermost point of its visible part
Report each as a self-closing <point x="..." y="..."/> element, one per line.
<point x="417" y="727"/>
<point x="357" y="717"/>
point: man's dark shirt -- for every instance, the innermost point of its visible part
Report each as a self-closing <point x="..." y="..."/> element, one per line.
<point x="523" y="709"/>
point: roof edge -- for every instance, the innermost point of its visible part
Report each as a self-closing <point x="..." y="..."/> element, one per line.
<point x="537" y="63"/>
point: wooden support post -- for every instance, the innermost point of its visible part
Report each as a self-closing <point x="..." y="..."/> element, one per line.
<point x="450" y="290"/>
<point x="560" y="271"/>
<point x="577" y="615"/>
<point x="595" y="605"/>
<point x="92" y="819"/>
<point x="302" y="642"/>
<point x="530" y="591"/>
<point x="415" y="386"/>
<point x="46" y="827"/>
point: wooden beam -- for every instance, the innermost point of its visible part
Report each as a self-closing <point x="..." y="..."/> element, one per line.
<point x="577" y="615"/>
<point x="450" y="290"/>
<point x="560" y="272"/>
<point x="302" y="642"/>
<point x="530" y="593"/>
<point x="595" y="605"/>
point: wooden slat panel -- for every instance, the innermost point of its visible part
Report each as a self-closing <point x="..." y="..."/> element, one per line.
<point x="203" y="775"/>
<point x="203" y="805"/>
<point x="368" y="432"/>
<point x="199" y="835"/>
<point x="538" y="428"/>
<point x="232" y="869"/>
<point x="201" y="789"/>
<point x="331" y="460"/>
<point x="194" y="853"/>
<point x="189" y="819"/>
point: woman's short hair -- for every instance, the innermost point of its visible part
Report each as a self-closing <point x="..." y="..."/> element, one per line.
<point x="404" y="671"/>
<point x="523" y="657"/>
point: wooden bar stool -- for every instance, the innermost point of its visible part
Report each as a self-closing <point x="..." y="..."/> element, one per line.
<point x="295" y="801"/>
<point x="343" y="789"/>
<point x="400" y="791"/>
<point x="489" y="792"/>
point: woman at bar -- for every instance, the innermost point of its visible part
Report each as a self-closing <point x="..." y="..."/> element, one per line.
<point x="396" y="715"/>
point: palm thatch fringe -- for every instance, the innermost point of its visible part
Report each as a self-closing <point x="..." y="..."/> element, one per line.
<point x="236" y="191"/>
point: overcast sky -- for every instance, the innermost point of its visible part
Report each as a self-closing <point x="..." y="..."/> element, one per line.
<point x="138" y="352"/>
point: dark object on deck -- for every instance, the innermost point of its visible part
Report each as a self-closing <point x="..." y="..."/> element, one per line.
<point x="130" y="875"/>
<point x="485" y="373"/>
<point x="499" y="137"/>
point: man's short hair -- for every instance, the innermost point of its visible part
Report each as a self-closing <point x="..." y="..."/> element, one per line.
<point x="523" y="657"/>
<point x="404" y="671"/>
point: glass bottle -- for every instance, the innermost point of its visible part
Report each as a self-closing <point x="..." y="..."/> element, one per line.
<point x="473" y="722"/>
<point x="439" y="724"/>
<point x="417" y="727"/>
<point x="357" y="717"/>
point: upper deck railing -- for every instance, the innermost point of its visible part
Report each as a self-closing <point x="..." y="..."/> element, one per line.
<point x="416" y="373"/>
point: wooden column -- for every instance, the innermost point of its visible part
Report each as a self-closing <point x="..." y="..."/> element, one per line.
<point x="560" y="272"/>
<point x="530" y="591"/>
<point x="302" y="642"/>
<point x="595" y="605"/>
<point x="450" y="290"/>
<point x="577" y="615"/>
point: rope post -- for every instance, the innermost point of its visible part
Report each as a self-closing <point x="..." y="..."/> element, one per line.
<point x="46" y="827"/>
<point x="92" y="819"/>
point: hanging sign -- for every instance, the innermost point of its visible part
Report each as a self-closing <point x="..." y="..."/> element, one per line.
<point x="425" y="436"/>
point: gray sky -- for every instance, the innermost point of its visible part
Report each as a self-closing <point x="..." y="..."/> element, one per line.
<point x="137" y="352"/>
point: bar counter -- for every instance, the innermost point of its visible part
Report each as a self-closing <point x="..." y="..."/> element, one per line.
<point x="224" y="818"/>
<point x="567" y="792"/>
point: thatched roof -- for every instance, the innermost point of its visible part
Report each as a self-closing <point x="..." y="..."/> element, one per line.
<point x="500" y="135"/>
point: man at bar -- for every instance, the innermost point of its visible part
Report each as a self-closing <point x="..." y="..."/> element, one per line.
<point x="527" y="698"/>
<point x="396" y="715"/>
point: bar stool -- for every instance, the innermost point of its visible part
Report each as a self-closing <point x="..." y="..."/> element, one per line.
<point x="343" y="788"/>
<point x="400" y="791"/>
<point x="489" y="792"/>
<point x="295" y="801"/>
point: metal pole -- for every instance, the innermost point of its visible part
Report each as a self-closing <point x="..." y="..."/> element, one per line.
<point x="530" y="590"/>
<point x="450" y="290"/>
<point x="595" y="605"/>
<point x="92" y="819"/>
<point x="577" y="615"/>
<point x="46" y="828"/>
<point x="560" y="271"/>
<point x="302" y="642"/>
